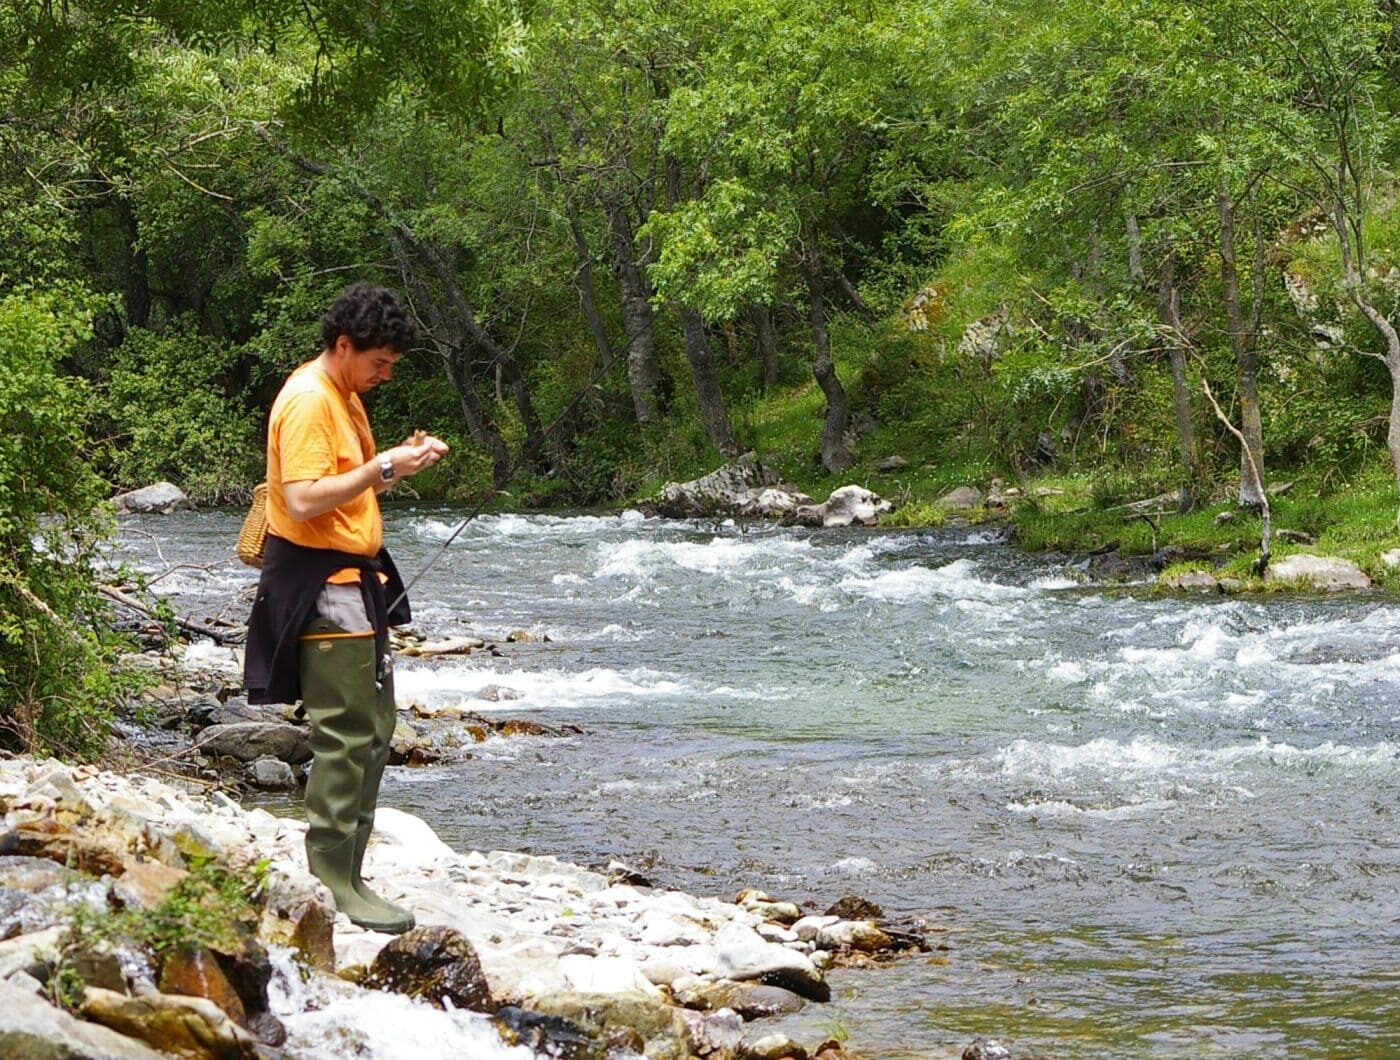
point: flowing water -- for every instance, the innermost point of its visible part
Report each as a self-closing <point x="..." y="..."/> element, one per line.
<point x="1151" y="826"/>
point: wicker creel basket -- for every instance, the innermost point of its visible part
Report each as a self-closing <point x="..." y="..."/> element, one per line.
<point x="253" y="536"/>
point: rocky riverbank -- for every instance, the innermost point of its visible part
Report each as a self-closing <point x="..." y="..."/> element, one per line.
<point x="139" y="916"/>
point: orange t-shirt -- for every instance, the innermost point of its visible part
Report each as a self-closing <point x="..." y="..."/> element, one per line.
<point x="315" y="431"/>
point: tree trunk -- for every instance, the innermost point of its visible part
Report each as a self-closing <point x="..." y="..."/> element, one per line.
<point x="449" y="340"/>
<point x="1135" y="269"/>
<point x="1252" y="481"/>
<point x="698" y="353"/>
<point x="767" y="345"/>
<point x="1169" y="312"/>
<point x="1354" y="275"/>
<point x="587" y="293"/>
<point x="479" y="424"/>
<point x="835" y="455"/>
<point x="643" y="365"/>
<point x="137" y="294"/>
<point x="706" y="380"/>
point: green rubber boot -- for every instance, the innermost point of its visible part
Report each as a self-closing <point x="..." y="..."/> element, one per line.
<point x="338" y="695"/>
<point x="385" y="718"/>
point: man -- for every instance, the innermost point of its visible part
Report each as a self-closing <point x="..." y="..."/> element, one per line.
<point x="319" y="627"/>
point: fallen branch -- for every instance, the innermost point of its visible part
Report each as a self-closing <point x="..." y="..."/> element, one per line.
<point x="216" y="635"/>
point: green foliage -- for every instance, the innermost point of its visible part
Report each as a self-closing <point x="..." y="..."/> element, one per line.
<point x="171" y="393"/>
<point x="58" y="673"/>
<point x="208" y="908"/>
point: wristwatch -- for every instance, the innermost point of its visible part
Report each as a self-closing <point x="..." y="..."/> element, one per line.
<point x="386" y="469"/>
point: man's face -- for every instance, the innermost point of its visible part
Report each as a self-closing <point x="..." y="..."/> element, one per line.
<point x="365" y="369"/>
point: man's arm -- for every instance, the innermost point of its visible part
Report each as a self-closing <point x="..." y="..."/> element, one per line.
<point x="312" y="497"/>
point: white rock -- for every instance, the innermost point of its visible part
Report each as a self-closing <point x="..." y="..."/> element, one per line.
<point x="1324" y="573"/>
<point x="406" y="842"/>
<point x="606" y="975"/>
<point x="806" y="929"/>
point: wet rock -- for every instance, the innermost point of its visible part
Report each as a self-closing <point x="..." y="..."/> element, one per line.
<point x="846" y="506"/>
<point x="771" y="1047"/>
<point x="189" y="1027"/>
<point x="297" y="912"/>
<point x="195" y="972"/>
<point x="832" y="1050"/>
<point x="893" y="462"/>
<point x="434" y="964"/>
<point x="719" y="493"/>
<point x="756" y="901"/>
<point x="98" y="964"/>
<point x="661" y="1028"/>
<point x="524" y="727"/>
<point x="961" y="499"/>
<point x="235" y="979"/>
<point x="743" y="957"/>
<point x="248" y="741"/>
<point x="1190" y="581"/>
<point x="751" y="1001"/>
<point x="1113" y="566"/>
<point x="552" y="1036"/>
<point x="772" y="502"/>
<point x="497" y="694"/>
<point x="271" y="774"/>
<point x="409" y="747"/>
<point x="854" y="907"/>
<point x="1323" y="573"/>
<point x="446" y="646"/>
<point x="33" y="953"/>
<point x="714" y="1034"/>
<point x="806" y="929"/>
<point x="162" y="498"/>
<point x="986" y="1049"/>
<point x="525" y="636"/>
<point x="32" y="1029"/>
<point x="860" y="935"/>
<point x="206" y="712"/>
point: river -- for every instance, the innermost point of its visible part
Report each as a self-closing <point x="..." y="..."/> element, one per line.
<point x="1150" y="826"/>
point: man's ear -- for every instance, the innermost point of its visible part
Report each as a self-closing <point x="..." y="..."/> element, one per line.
<point x="343" y="346"/>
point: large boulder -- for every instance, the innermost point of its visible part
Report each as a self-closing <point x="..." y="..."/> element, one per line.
<point x="162" y="498"/>
<point x="31" y="1027"/>
<point x="248" y="741"/>
<point x="845" y="507"/>
<point x="1326" y="574"/>
<point x="744" y="487"/>
<point x="437" y="964"/>
<point x="961" y="499"/>
<point x="190" y="1027"/>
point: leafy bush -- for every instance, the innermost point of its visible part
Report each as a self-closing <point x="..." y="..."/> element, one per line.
<point x="181" y="422"/>
<point x="58" y="672"/>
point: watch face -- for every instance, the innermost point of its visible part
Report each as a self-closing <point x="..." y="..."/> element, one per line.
<point x="386" y="471"/>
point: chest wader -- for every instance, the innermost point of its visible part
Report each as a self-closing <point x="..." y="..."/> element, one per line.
<point x="352" y="715"/>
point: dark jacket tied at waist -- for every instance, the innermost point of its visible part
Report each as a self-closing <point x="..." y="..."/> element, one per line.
<point x="292" y="577"/>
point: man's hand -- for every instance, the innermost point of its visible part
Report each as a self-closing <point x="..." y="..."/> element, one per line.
<point x="308" y="499"/>
<point x="420" y="451"/>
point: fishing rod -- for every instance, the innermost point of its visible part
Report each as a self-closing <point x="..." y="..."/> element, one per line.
<point x="529" y="449"/>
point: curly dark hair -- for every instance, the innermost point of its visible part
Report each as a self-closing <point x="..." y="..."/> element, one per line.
<point x="370" y="315"/>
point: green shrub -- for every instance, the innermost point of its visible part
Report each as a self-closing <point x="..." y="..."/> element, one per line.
<point x="58" y="672"/>
<point x="169" y="393"/>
